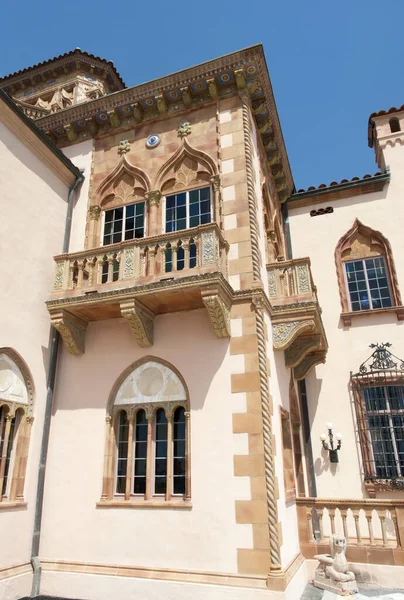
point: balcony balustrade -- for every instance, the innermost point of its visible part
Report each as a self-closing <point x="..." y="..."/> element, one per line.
<point x="297" y="327"/>
<point x="140" y="278"/>
<point x="374" y="529"/>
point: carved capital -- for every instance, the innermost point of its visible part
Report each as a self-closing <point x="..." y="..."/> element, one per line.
<point x="215" y="181"/>
<point x="72" y="330"/>
<point x="141" y="322"/>
<point x="219" y="313"/>
<point x="240" y="78"/>
<point x="153" y="198"/>
<point x="95" y="212"/>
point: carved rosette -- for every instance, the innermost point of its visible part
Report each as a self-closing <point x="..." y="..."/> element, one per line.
<point x="72" y="330"/>
<point x="141" y="322"/>
<point x="219" y="314"/>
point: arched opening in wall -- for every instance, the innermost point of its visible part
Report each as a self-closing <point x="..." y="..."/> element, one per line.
<point x="394" y="125"/>
<point x="366" y="272"/>
<point x="147" y="451"/>
<point x="16" y="406"/>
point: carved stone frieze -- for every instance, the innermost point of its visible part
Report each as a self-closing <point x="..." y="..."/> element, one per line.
<point x="300" y="348"/>
<point x="283" y="334"/>
<point x="72" y="330"/>
<point x="141" y="322"/>
<point x="208" y="248"/>
<point x="219" y="313"/>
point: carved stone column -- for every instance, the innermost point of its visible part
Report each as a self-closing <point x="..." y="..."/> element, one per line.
<point x="93" y="226"/>
<point x="169" y="484"/>
<point x="129" y="463"/>
<point x="218" y="216"/>
<point x="153" y="204"/>
<point x="149" y="417"/>
<point x="187" y="456"/>
<point x="107" y="481"/>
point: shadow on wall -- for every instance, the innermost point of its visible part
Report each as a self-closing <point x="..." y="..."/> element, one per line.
<point x="370" y="320"/>
<point x="185" y="340"/>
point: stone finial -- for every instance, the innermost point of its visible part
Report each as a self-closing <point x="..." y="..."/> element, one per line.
<point x="184" y="129"/>
<point x="123" y="147"/>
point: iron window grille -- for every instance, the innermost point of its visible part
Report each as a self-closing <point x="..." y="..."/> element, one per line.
<point x="378" y="390"/>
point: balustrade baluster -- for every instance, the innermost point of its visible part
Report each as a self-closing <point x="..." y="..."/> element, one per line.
<point x="152" y="261"/>
<point x="185" y="245"/>
<point x="368" y="514"/>
<point x="331" y="514"/>
<point x="382" y="516"/>
<point x="110" y="269"/>
<point x="80" y="266"/>
<point x="344" y="514"/>
<point x="174" y="249"/>
<point x="90" y="264"/>
<point x="320" y="514"/>
<point x="356" y="514"/>
<point x="310" y="524"/>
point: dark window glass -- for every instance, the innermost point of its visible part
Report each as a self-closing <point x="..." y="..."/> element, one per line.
<point x="116" y="231"/>
<point x="196" y="205"/>
<point x="123" y="432"/>
<point x="179" y="451"/>
<point x="367" y="284"/>
<point x="140" y="453"/>
<point x="160" y="467"/>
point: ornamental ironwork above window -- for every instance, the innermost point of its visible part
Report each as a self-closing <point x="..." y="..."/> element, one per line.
<point x="378" y="389"/>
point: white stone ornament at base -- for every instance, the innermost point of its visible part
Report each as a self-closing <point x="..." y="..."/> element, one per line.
<point x="333" y="574"/>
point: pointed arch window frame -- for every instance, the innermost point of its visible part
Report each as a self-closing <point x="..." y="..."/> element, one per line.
<point x="377" y="239"/>
<point x="109" y="496"/>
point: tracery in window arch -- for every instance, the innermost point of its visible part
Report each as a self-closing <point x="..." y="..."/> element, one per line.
<point x="16" y="407"/>
<point x="147" y="452"/>
<point x="366" y="273"/>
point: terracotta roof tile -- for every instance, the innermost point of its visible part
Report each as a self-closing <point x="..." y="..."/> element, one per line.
<point x="71" y="53"/>
<point x="336" y="183"/>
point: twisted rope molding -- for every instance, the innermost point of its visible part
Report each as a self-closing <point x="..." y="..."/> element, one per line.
<point x="258" y="302"/>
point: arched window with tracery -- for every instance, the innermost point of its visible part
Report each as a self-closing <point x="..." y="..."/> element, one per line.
<point x="147" y="448"/>
<point x="16" y="406"/>
<point x="366" y="273"/>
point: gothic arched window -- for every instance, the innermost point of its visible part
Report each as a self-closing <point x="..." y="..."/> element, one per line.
<point x="366" y="273"/>
<point x="16" y="404"/>
<point x="147" y="451"/>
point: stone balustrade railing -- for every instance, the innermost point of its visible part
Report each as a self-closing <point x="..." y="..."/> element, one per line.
<point x="371" y="527"/>
<point x="290" y="281"/>
<point x="197" y="250"/>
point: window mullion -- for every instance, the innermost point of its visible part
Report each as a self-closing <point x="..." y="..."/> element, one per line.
<point x="187" y="208"/>
<point x="365" y="270"/>
<point x="392" y="432"/>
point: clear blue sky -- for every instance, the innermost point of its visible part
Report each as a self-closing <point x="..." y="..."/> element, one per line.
<point x="331" y="63"/>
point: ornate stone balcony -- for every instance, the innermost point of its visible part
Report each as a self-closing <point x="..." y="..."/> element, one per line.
<point x="297" y="326"/>
<point x="140" y="278"/>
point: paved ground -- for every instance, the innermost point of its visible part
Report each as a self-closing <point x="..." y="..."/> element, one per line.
<point x="312" y="593"/>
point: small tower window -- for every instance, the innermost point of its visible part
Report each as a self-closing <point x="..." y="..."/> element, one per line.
<point x="394" y="125"/>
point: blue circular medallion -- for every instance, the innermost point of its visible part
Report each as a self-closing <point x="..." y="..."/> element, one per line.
<point x="153" y="140"/>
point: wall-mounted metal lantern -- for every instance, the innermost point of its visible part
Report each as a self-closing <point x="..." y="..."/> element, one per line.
<point x="330" y="445"/>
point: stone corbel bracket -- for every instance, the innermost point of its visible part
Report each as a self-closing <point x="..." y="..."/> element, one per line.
<point x="285" y="333"/>
<point x="311" y="360"/>
<point x="141" y="322"/>
<point x="72" y="330"/>
<point x="218" y="307"/>
<point x="301" y="348"/>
